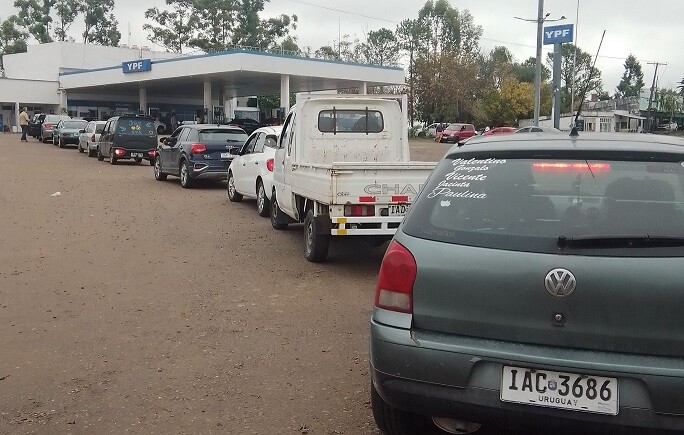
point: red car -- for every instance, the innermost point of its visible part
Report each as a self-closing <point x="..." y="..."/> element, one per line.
<point x="457" y="132"/>
<point x="500" y="130"/>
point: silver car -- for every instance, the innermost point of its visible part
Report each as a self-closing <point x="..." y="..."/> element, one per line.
<point x="90" y="137"/>
<point x="48" y="126"/>
<point x="535" y="285"/>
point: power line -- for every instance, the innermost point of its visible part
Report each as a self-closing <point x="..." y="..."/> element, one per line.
<point x="344" y="11"/>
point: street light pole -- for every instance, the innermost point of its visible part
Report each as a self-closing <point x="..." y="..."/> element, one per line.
<point x="537" y="69"/>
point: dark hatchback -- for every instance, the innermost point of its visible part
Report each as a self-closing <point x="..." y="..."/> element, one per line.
<point x="128" y="137"/>
<point x="198" y="151"/>
<point x="535" y="285"/>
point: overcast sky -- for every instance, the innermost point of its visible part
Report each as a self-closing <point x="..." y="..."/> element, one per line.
<point x="652" y="36"/>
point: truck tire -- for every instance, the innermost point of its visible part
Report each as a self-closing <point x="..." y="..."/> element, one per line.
<point x="316" y="237"/>
<point x="278" y="220"/>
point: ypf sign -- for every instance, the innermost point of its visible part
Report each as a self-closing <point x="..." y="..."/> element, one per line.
<point x="135" y="66"/>
<point x="558" y="34"/>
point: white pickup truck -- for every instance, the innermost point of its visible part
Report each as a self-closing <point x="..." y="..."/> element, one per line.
<point x="342" y="168"/>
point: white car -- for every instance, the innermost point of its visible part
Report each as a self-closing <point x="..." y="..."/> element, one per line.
<point x="89" y="137"/>
<point x="251" y="172"/>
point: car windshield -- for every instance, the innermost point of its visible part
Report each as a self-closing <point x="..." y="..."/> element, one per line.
<point x="136" y="126"/>
<point x="454" y="127"/>
<point x="222" y="135"/>
<point x="525" y="204"/>
<point x="74" y="124"/>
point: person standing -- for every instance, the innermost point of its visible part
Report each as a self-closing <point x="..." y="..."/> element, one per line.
<point x="23" y="123"/>
<point x="174" y="122"/>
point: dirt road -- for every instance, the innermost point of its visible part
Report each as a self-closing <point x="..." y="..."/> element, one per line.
<point x="132" y="305"/>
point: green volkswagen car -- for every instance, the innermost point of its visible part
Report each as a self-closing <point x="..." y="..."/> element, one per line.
<point x="535" y="283"/>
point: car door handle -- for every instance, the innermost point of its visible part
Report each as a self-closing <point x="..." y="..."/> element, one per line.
<point x="256" y="163"/>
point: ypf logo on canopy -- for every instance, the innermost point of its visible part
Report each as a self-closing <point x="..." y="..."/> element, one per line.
<point x="558" y="34"/>
<point x="134" y="66"/>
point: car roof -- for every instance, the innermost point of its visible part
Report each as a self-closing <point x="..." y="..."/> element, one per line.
<point x="212" y="127"/>
<point x="535" y="141"/>
<point x="272" y="129"/>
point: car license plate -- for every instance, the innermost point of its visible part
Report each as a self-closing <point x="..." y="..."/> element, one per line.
<point x="560" y="390"/>
<point x="225" y="155"/>
<point x="134" y="155"/>
<point x="398" y="209"/>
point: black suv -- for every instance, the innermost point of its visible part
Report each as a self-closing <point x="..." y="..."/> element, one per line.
<point x="128" y="137"/>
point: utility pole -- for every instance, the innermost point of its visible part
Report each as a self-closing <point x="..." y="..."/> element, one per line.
<point x="649" y="126"/>
<point x="537" y="66"/>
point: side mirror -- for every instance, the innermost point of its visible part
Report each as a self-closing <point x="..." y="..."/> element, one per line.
<point x="81" y="131"/>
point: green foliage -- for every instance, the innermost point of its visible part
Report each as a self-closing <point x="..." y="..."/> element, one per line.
<point x="632" y="79"/>
<point x="34" y="15"/>
<point x="67" y="11"/>
<point x="12" y="36"/>
<point x="669" y="101"/>
<point x="586" y="78"/>
<point x="381" y="48"/>
<point x="101" y="27"/>
<point x="174" y="28"/>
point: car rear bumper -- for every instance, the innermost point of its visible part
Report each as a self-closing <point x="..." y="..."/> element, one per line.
<point x="460" y="377"/>
<point x="209" y="170"/>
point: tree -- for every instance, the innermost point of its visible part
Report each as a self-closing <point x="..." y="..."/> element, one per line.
<point x="381" y="48"/>
<point x="12" y="39"/>
<point x="586" y="78"/>
<point x="67" y="11"/>
<point x="34" y="15"/>
<point x="632" y="79"/>
<point x="101" y="27"/>
<point x="326" y="52"/>
<point x="175" y="26"/>
<point x="525" y="71"/>
<point x="410" y="35"/>
<point x="669" y="101"/>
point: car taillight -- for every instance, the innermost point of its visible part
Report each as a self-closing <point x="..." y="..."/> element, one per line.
<point x="65" y="134"/>
<point x="575" y="167"/>
<point x="92" y="138"/>
<point x="48" y="126"/>
<point x="359" y="210"/>
<point x="198" y="148"/>
<point x="152" y="153"/>
<point x="269" y="165"/>
<point x="394" y="290"/>
<point x="119" y="152"/>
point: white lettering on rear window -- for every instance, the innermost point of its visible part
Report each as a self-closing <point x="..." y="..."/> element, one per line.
<point x="465" y="172"/>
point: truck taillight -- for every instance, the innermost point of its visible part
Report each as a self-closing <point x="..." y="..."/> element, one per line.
<point x="398" y="271"/>
<point x="359" y="210"/>
<point x="92" y="138"/>
<point x="269" y="165"/>
<point x="198" y="148"/>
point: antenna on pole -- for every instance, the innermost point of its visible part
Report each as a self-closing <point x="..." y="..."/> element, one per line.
<point x="573" y="131"/>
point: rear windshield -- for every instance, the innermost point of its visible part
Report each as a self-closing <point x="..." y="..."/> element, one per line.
<point x="99" y="128"/>
<point x="528" y="204"/>
<point x="350" y="121"/>
<point x="74" y="124"/>
<point x="136" y="126"/>
<point x="219" y="135"/>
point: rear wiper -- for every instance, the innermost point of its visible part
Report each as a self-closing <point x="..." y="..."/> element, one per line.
<point x="631" y="241"/>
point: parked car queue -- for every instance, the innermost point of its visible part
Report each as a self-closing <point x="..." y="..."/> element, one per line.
<point x="565" y="226"/>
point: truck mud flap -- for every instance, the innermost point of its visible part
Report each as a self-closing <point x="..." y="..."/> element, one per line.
<point x="323" y="224"/>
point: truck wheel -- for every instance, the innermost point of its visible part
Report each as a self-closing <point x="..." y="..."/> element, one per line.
<point x="278" y="221"/>
<point x="233" y="195"/>
<point x="316" y="239"/>
<point x="263" y="204"/>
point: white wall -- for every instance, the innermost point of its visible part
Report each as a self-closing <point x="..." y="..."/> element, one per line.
<point x="45" y="61"/>
<point x="29" y="92"/>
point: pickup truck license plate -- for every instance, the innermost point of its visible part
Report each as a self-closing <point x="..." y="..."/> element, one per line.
<point x="225" y="155"/>
<point x="560" y="390"/>
<point x="134" y="155"/>
<point x="398" y="209"/>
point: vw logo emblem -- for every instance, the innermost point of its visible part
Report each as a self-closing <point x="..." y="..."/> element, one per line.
<point x="560" y="283"/>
